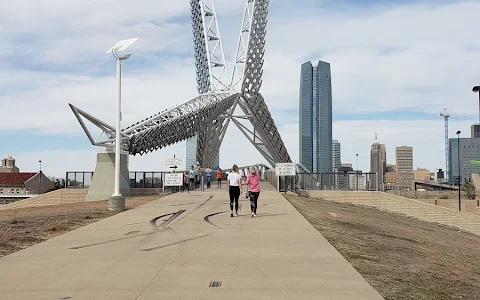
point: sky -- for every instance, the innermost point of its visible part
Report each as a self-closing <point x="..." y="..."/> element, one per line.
<point x="395" y="66"/>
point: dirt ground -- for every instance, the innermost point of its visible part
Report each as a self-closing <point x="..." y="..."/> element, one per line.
<point x="24" y="227"/>
<point x="402" y="258"/>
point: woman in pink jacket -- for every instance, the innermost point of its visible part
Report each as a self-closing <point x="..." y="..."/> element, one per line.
<point x="253" y="183"/>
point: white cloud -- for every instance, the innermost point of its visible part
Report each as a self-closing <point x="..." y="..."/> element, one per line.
<point x="418" y="57"/>
<point x="403" y="57"/>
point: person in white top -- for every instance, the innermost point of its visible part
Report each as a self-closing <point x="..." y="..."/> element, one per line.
<point x="234" y="181"/>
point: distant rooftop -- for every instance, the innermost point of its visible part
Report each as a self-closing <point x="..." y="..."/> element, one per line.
<point x="15" y="178"/>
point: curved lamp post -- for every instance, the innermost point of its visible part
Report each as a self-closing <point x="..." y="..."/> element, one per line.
<point x="117" y="202"/>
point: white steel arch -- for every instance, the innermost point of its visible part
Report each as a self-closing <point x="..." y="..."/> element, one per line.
<point x="221" y="93"/>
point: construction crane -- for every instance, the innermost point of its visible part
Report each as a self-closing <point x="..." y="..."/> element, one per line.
<point x="446" y="116"/>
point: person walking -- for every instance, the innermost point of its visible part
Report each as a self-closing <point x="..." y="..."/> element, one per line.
<point x="191" y="176"/>
<point x="253" y="183"/>
<point x="219" y="178"/>
<point x="234" y="181"/>
<point x="197" y="174"/>
<point x="208" y="174"/>
<point x="185" y="182"/>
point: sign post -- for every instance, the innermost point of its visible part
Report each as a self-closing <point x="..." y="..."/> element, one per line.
<point x="284" y="169"/>
<point x="173" y="163"/>
<point x="172" y="178"/>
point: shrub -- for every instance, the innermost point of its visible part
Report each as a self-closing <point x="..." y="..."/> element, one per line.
<point x="470" y="190"/>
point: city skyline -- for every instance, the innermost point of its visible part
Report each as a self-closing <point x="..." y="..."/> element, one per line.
<point x="383" y="93"/>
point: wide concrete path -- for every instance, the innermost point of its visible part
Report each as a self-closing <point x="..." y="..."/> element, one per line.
<point x="174" y="247"/>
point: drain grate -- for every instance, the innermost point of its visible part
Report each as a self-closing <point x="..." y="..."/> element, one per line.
<point x="215" y="284"/>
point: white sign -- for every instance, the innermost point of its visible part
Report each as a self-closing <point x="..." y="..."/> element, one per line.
<point x="173" y="162"/>
<point x="285" y="169"/>
<point x="174" y="179"/>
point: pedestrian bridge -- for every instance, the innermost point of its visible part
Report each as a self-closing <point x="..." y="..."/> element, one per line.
<point x="186" y="246"/>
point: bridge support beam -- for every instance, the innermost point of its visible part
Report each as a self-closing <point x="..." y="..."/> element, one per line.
<point x="103" y="180"/>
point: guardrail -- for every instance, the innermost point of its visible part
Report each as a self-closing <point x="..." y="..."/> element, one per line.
<point x="142" y="179"/>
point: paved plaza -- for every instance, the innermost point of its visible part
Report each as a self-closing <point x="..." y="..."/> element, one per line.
<point x="186" y="246"/>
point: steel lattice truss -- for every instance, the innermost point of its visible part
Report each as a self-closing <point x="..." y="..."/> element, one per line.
<point x="221" y="93"/>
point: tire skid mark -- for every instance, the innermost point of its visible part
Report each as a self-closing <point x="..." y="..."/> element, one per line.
<point x="207" y="218"/>
<point x="196" y="208"/>
<point x="146" y="236"/>
<point x="165" y="223"/>
<point x="162" y="227"/>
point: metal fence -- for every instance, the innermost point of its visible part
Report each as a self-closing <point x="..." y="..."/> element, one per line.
<point x="341" y="181"/>
<point x="146" y="179"/>
<point x="78" y="180"/>
<point x="81" y="180"/>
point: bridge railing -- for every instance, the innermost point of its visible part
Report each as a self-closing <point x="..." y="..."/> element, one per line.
<point x="342" y="181"/>
<point x="137" y="179"/>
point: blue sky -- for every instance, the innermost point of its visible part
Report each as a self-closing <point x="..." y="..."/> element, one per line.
<point x="395" y="65"/>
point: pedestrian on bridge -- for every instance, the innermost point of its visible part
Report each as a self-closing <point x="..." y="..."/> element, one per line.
<point x="219" y="178"/>
<point x="253" y="183"/>
<point x="234" y="181"/>
<point x="185" y="182"/>
<point x="208" y="174"/>
<point x="197" y="174"/>
<point x="191" y="176"/>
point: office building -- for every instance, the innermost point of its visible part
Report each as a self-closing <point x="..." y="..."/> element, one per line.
<point x="191" y="155"/>
<point x="336" y="155"/>
<point x="469" y="159"/>
<point x="475" y="131"/>
<point x="390" y="177"/>
<point x="384" y="158"/>
<point x="378" y="163"/>
<point x="357" y="182"/>
<point x="422" y="174"/>
<point x="404" y="159"/>
<point x="439" y="175"/>
<point x="343" y="173"/>
<point x="315" y="111"/>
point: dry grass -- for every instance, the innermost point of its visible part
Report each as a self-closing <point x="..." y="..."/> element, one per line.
<point x="5" y="236"/>
<point x="400" y="257"/>
<point x="22" y="228"/>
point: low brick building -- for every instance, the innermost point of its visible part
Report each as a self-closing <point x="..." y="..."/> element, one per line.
<point x="23" y="183"/>
<point x="14" y="184"/>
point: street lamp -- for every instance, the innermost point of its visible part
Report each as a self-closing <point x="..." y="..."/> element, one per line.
<point x="459" y="173"/>
<point x="476" y="89"/>
<point x="357" y="172"/>
<point x="40" y="179"/>
<point x="117" y="202"/>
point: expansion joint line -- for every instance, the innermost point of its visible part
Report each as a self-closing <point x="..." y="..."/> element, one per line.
<point x="176" y="251"/>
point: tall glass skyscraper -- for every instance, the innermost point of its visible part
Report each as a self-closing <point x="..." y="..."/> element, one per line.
<point x="316" y="117"/>
<point x="191" y="157"/>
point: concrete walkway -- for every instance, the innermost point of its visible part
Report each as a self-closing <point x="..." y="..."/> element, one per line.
<point x="175" y="247"/>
